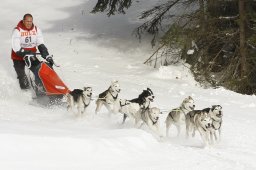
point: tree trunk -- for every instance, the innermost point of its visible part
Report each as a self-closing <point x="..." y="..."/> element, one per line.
<point x="202" y="15"/>
<point x="242" y="37"/>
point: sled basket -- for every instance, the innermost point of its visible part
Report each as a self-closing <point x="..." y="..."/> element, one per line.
<point x="51" y="82"/>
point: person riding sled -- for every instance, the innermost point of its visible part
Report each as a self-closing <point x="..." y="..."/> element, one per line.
<point x="26" y="38"/>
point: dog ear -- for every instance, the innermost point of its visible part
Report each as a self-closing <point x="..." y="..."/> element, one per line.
<point x="148" y="89"/>
<point x="114" y="81"/>
<point x="218" y="106"/>
<point x="189" y="97"/>
<point x="213" y="107"/>
<point x="185" y="100"/>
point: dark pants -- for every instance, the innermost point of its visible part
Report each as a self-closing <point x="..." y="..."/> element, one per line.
<point x="19" y="67"/>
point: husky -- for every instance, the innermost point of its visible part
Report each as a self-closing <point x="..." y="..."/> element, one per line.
<point x="108" y="97"/>
<point x="135" y="107"/>
<point x="216" y="114"/>
<point x="203" y="123"/>
<point x="79" y="99"/>
<point x="151" y="118"/>
<point x="177" y="115"/>
<point x="190" y="121"/>
<point x="207" y="130"/>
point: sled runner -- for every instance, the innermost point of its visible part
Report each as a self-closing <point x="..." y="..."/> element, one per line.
<point x="46" y="84"/>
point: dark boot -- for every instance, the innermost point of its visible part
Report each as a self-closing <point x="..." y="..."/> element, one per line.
<point x="19" y="67"/>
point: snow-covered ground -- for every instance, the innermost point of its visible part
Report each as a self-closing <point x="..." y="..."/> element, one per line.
<point x="93" y="50"/>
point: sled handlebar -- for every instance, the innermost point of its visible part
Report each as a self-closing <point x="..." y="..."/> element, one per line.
<point x="56" y="65"/>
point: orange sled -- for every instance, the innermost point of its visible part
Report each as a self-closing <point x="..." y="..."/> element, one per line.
<point x="47" y="85"/>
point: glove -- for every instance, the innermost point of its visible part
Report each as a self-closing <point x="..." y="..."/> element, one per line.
<point x="43" y="50"/>
<point x="23" y="53"/>
<point x="50" y="60"/>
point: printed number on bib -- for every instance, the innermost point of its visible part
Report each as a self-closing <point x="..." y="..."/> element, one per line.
<point x="27" y="39"/>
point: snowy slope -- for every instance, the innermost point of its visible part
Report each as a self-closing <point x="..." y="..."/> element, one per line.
<point x="92" y="53"/>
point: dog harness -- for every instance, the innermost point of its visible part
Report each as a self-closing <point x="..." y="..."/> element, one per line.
<point x="114" y="97"/>
<point x="204" y="127"/>
<point x="103" y="95"/>
<point x="143" y="114"/>
<point x="122" y="105"/>
<point x="220" y="122"/>
<point x="176" y="110"/>
<point x="85" y="105"/>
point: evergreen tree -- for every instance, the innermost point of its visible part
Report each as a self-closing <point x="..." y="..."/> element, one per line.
<point x="216" y="37"/>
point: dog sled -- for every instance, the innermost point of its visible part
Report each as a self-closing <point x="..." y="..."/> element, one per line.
<point x="46" y="85"/>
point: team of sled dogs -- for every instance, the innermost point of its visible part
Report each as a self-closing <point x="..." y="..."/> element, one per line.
<point x="207" y="121"/>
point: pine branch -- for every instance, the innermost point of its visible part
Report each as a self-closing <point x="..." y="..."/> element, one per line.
<point x="157" y="14"/>
<point x="111" y="6"/>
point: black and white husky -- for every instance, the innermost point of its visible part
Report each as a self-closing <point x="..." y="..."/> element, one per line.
<point x="135" y="107"/>
<point x="177" y="116"/>
<point x="206" y="121"/>
<point x="109" y="97"/>
<point x="79" y="99"/>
